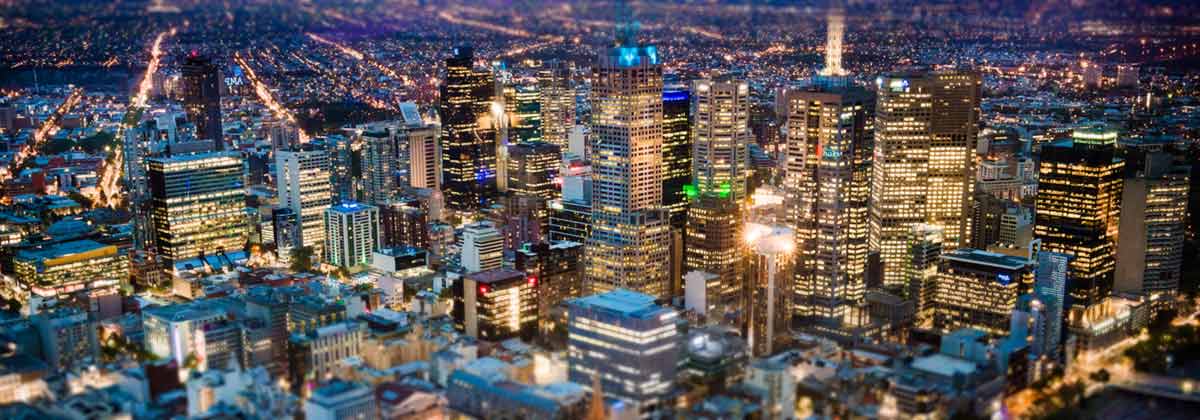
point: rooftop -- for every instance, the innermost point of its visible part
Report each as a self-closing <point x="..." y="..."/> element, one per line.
<point x="623" y="302"/>
<point x="349" y="207"/>
<point x="61" y="250"/>
<point x="992" y="259"/>
<point x="496" y="275"/>
<point x="943" y="365"/>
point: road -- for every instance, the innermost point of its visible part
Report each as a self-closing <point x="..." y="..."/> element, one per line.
<point x="109" y="192"/>
<point x="45" y="131"/>
<point x="265" y="96"/>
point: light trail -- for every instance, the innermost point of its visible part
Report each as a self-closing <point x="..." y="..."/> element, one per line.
<point x="360" y="56"/>
<point x="449" y="17"/>
<point x="47" y="129"/>
<point x="554" y="40"/>
<point x="108" y="193"/>
<point x="264" y="94"/>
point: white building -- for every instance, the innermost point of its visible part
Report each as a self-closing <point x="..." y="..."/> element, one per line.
<point x="303" y="182"/>
<point x="482" y="247"/>
<point x="341" y="400"/>
<point x="352" y="234"/>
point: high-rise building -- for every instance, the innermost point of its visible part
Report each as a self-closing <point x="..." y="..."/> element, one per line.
<point x="1153" y="227"/>
<point x="345" y="165"/>
<point x="378" y="165"/>
<point x="605" y="329"/>
<point x="1078" y="209"/>
<point x="715" y="245"/>
<point x="201" y="81"/>
<point x="924" y="250"/>
<point x="773" y="256"/>
<point x="469" y="140"/>
<point x="559" y="274"/>
<point x="532" y="169"/>
<point x="677" y="152"/>
<point x="496" y="305"/>
<point x="557" y="102"/>
<point x="926" y="126"/>
<point x="303" y="184"/>
<point x="827" y="182"/>
<point x="523" y="110"/>
<point x="197" y="205"/>
<point x="628" y="246"/>
<point x="1050" y="288"/>
<point x="979" y="289"/>
<point x="720" y="135"/>
<point x="424" y="157"/>
<point x="351" y="234"/>
<point x="482" y="247"/>
<point x="403" y="224"/>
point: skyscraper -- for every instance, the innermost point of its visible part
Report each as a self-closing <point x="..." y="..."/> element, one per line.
<point x="1078" y="208"/>
<point x="197" y="205"/>
<point x="719" y="161"/>
<point x="468" y="134"/>
<point x="201" y="82"/>
<point x="827" y="181"/>
<point x="628" y="245"/>
<point x="770" y="281"/>
<point x="351" y="234"/>
<point x="677" y="151"/>
<point x="926" y="124"/>
<point x="378" y="165"/>
<point x="303" y="184"/>
<point x="482" y="247"/>
<point x="557" y="102"/>
<point x="424" y="161"/>
<point x="1153" y="227"/>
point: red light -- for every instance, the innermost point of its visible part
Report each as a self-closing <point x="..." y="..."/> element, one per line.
<point x="483" y="289"/>
<point x="532" y="280"/>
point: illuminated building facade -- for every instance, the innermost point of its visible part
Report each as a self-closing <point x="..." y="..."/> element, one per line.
<point x="677" y="152"/>
<point x="468" y="134"/>
<point x="496" y="305"/>
<point x="924" y="250"/>
<point x="829" y="135"/>
<point x="532" y="169"/>
<point x="1078" y="209"/>
<point x="197" y="205"/>
<point x="979" y="289"/>
<point x="523" y="109"/>
<point x="63" y="268"/>
<point x="559" y="273"/>
<point x="926" y="127"/>
<point x="557" y="102"/>
<point x="303" y="184"/>
<point x="403" y="224"/>
<point x="351" y="234"/>
<point x="715" y="245"/>
<point x="629" y="241"/>
<point x="424" y="156"/>
<point x="605" y="329"/>
<point x="378" y="165"/>
<point x="773" y="254"/>
<point x="482" y="247"/>
<point x="201" y="81"/>
<point x="720" y="135"/>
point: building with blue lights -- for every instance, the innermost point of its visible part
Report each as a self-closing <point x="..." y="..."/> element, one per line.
<point x="979" y="289"/>
<point x="351" y="234"/>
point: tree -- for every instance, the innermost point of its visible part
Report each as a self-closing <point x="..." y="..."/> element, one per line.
<point x="301" y="258"/>
<point x="1100" y="376"/>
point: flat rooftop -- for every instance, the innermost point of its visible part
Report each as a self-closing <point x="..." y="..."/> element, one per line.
<point x="622" y="301"/>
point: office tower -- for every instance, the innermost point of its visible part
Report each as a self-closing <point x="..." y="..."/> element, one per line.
<point x="714" y="245"/>
<point x="827" y="184"/>
<point x="196" y="205"/>
<point x="533" y="169"/>
<point x="557" y="102"/>
<point x="677" y="151"/>
<point x="997" y="221"/>
<point x="559" y="274"/>
<point x="351" y="234"/>
<point x="604" y="329"/>
<point x="1153" y="227"/>
<point x="721" y="133"/>
<point x="1078" y="209"/>
<point x="570" y="220"/>
<point x="54" y="271"/>
<point x="523" y="111"/>
<point x="979" y="289"/>
<point x="303" y="183"/>
<point x="834" y="34"/>
<point x="403" y="224"/>
<point x="424" y="157"/>
<point x="628" y="246"/>
<point x="770" y="276"/>
<point x="482" y="247"/>
<point x="313" y="355"/>
<point x="469" y="139"/>
<point x="378" y="165"/>
<point x="1050" y="287"/>
<point x="339" y="400"/>
<point x="496" y="305"/>
<point x="924" y="249"/>
<point x="926" y="125"/>
<point x="773" y="381"/>
<point x="202" y="97"/>
<point x="345" y="165"/>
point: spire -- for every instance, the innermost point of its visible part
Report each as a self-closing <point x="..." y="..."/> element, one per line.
<point x="627" y="27"/>
<point x="596" y="410"/>
<point x="833" y="42"/>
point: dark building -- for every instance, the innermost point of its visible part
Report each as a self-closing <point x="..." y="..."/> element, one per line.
<point x="468" y="134"/>
<point x="559" y="275"/>
<point x="496" y="305"/>
<point x="677" y="152"/>
<point x="404" y="224"/>
<point x="570" y="221"/>
<point x="201" y="81"/>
